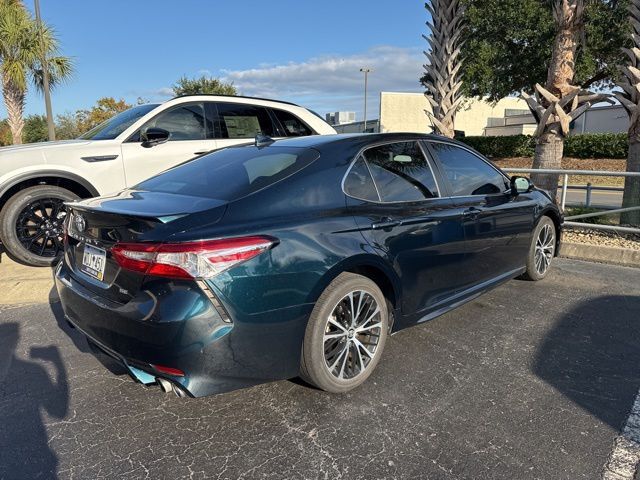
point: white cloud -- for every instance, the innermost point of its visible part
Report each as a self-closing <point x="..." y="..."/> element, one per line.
<point x="164" y="92"/>
<point x="334" y="82"/>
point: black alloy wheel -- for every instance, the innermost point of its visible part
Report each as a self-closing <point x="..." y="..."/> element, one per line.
<point x="40" y="227"/>
<point x="32" y="222"/>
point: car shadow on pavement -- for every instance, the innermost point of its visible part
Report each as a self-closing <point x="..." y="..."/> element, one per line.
<point x="78" y="339"/>
<point x="56" y="308"/>
<point x="26" y="389"/>
<point x="591" y="356"/>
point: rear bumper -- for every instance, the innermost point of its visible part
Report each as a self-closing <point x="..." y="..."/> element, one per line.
<point x="175" y="324"/>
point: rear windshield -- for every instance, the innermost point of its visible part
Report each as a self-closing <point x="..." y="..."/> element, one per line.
<point x="232" y="173"/>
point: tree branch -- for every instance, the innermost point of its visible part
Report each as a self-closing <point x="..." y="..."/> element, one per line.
<point x="600" y="75"/>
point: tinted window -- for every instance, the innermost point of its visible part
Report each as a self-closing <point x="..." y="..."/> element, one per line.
<point x="186" y="122"/>
<point x="292" y="125"/>
<point x="116" y="125"/>
<point x="231" y="173"/>
<point x="236" y="120"/>
<point x="401" y="172"/>
<point x="359" y="183"/>
<point x="468" y="174"/>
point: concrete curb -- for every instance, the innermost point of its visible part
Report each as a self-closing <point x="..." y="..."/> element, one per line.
<point x="601" y="254"/>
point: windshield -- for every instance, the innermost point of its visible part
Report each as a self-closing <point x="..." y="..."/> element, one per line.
<point x="113" y="127"/>
<point x="231" y="173"/>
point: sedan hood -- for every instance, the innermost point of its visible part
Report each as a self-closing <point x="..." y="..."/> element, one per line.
<point x="163" y="206"/>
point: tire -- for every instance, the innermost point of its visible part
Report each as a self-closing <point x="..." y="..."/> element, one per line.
<point x="541" y="251"/>
<point x="348" y="344"/>
<point x="31" y="224"/>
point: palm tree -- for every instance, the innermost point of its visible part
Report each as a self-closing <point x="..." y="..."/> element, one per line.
<point x="442" y="79"/>
<point x="22" y="42"/>
<point x="629" y="97"/>
<point x="559" y="102"/>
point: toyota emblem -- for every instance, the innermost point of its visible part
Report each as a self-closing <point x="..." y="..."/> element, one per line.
<point x="79" y="223"/>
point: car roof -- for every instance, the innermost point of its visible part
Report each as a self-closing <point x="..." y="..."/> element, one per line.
<point x="357" y="139"/>
<point x="218" y="96"/>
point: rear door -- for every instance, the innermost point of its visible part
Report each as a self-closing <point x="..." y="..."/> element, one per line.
<point x="237" y="123"/>
<point x="191" y="134"/>
<point x="497" y="225"/>
<point x="394" y="197"/>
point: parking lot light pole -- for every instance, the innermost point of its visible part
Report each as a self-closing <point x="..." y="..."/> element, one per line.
<point x="366" y="72"/>
<point x="45" y="74"/>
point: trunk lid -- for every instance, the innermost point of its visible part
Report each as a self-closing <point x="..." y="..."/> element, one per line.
<point x="94" y="226"/>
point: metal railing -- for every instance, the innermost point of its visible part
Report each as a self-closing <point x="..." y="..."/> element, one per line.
<point x="589" y="189"/>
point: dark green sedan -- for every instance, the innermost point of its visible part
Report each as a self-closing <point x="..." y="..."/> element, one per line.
<point x="295" y="257"/>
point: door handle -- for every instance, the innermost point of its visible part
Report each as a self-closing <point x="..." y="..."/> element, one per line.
<point x="472" y="212"/>
<point x="385" y="224"/>
<point x="202" y="152"/>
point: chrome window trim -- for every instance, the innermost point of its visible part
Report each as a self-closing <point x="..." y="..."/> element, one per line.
<point x="380" y="202"/>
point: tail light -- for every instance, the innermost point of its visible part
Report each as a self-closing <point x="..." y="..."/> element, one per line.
<point x="203" y="259"/>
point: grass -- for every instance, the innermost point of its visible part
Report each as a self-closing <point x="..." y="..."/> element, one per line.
<point x="613" y="219"/>
<point x="615" y="165"/>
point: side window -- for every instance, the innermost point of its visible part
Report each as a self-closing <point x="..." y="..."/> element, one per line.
<point x="468" y="174"/>
<point x="237" y="120"/>
<point x="292" y="125"/>
<point x="359" y="183"/>
<point x="185" y="122"/>
<point x="401" y="172"/>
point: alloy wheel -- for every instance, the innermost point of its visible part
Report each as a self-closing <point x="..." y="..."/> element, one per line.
<point x="545" y="248"/>
<point x="40" y="226"/>
<point x="352" y="334"/>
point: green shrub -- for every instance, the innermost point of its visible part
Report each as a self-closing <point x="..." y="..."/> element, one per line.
<point x="500" y="147"/>
<point x="597" y="145"/>
<point x="588" y="145"/>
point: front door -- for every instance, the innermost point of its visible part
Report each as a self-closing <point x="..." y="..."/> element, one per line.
<point x="191" y="135"/>
<point x="393" y="195"/>
<point x="497" y="225"/>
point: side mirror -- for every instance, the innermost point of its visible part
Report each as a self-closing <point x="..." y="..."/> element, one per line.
<point x="153" y="136"/>
<point x="520" y="185"/>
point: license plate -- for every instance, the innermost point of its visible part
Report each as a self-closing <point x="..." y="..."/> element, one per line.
<point x="93" y="261"/>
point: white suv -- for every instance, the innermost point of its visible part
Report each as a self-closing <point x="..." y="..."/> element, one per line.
<point x="36" y="179"/>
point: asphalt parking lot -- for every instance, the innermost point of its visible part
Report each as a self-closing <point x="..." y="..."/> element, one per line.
<point x="533" y="380"/>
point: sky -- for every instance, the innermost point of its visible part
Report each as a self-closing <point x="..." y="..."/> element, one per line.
<point x="305" y="52"/>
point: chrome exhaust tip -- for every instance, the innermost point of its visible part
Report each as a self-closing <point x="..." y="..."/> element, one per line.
<point x="179" y="392"/>
<point x="165" y="384"/>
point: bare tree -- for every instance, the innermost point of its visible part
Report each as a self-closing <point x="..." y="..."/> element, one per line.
<point x="442" y="78"/>
<point x="630" y="100"/>
<point x="559" y="102"/>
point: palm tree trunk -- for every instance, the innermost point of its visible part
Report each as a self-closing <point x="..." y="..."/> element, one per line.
<point x="549" y="150"/>
<point x="562" y="66"/>
<point x="14" y="100"/>
<point x="442" y="70"/>
<point x="631" y="196"/>
<point x="550" y="144"/>
<point x="629" y="98"/>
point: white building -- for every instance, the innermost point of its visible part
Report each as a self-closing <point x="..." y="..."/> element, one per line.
<point x="405" y="112"/>
<point x="340" y="118"/>
<point x="603" y="119"/>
